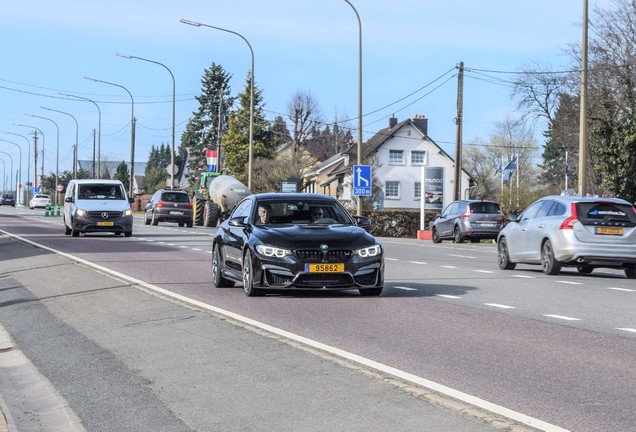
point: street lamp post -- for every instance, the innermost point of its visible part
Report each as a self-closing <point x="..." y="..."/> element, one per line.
<point x="10" y="173"/>
<point x="359" y="158"/>
<point x="17" y="188"/>
<point x="57" y="151"/>
<point x="132" y="131"/>
<point x="99" y="134"/>
<point x="173" y="108"/>
<point x="76" y="138"/>
<point x="4" y="175"/>
<point x="251" y="138"/>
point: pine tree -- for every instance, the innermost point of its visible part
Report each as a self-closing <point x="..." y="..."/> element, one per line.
<point x="235" y="146"/>
<point x="122" y="174"/>
<point x="201" y="132"/>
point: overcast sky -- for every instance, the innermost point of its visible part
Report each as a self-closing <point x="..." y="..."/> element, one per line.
<point x="411" y="49"/>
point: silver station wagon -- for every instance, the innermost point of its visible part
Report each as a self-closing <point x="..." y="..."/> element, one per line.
<point x="581" y="232"/>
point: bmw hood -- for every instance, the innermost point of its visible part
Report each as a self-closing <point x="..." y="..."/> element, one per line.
<point x="312" y="236"/>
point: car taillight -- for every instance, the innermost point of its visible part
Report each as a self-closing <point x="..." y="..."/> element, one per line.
<point x="161" y="204"/>
<point x="569" y="222"/>
<point x="188" y="205"/>
<point x="466" y="214"/>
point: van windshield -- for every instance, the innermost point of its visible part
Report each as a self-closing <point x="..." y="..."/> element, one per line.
<point x="101" y="191"/>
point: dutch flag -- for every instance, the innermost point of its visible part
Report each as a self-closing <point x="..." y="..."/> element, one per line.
<point x="212" y="160"/>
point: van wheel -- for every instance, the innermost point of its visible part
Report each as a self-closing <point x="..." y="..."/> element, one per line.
<point x="630" y="271"/>
<point x="458" y="235"/>
<point x="128" y="233"/>
<point x="74" y="232"/>
<point x="67" y="230"/>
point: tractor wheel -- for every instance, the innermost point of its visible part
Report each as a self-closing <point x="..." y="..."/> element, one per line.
<point x="199" y="205"/>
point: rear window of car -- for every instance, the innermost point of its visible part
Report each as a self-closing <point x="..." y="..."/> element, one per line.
<point x="175" y="197"/>
<point x="605" y="212"/>
<point x="485" y="208"/>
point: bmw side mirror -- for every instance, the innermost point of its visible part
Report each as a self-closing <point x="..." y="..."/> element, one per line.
<point x="362" y="221"/>
<point x="237" y="221"/>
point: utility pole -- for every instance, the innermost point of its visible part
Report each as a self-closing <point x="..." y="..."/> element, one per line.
<point x="583" y="110"/>
<point x="35" y="158"/>
<point x="458" y="139"/>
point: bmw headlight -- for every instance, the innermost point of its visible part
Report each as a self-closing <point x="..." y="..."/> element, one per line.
<point x="370" y="251"/>
<point x="271" y="251"/>
<point x="80" y="213"/>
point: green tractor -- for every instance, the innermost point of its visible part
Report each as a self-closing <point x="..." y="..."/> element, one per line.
<point x="215" y="196"/>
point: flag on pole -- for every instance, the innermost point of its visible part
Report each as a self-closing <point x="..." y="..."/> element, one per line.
<point x="212" y="160"/>
<point x="498" y="168"/>
<point x="512" y="165"/>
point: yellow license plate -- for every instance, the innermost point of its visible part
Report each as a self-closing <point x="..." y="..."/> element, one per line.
<point x="609" y="231"/>
<point x="324" y="268"/>
<point x="105" y="223"/>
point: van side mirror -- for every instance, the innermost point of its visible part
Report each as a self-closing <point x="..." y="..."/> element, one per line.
<point x="69" y="199"/>
<point x="131" y="200"/>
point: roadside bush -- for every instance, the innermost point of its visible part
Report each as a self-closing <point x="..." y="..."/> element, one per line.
<point x="398" y="223"/>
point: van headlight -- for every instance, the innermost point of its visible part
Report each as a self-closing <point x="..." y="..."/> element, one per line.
<point x="80" y="212"/>
<point x="370" y="251"/>
<point x="271" y="251"/>
<point x="128" y="212"/>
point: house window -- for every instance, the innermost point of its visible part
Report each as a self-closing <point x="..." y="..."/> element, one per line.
<point x="396" y="157"/>
<point x="417" y="191"/>
<point x="392" y="189"/>
<point x="418" y="157"/>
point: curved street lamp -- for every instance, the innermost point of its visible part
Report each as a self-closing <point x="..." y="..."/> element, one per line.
<point x="76" y="138"/>
<point x="132" y="131"/>
<point x="57" y="150"/>
<point x="99" y="133"/>
<point x="251" y="138"/>
<point x="4" y="175"/>
<point x="17" y="189"/>
<point x="359" y="158"/>
<point x="4" y="179"/>
<point x="173" y="108"/>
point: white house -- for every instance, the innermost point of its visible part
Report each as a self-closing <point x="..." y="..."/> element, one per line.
<point x="397" y="155"/>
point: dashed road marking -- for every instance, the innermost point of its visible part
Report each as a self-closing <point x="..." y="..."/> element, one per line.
<point x="631" y="330"/>
<point x="416" y="262"/>
<point x="621" y="289"/>
<point x="566" y="318"/>
<point x="448" y="296"/>
<point x="483" y="271"/>
<point x="449" y="267"/>
<point x="524" y="276"/>
<point x="569" y="282"/>
<point x="461" y="256"/>
<point x="501" y="306"/>
<point x="405" y="288"/>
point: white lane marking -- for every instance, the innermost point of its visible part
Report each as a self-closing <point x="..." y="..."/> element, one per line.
<point x="569" y="282"/>
<point x="447" y="296"/>
<point x="440" y="388"/>
<point x="524" y="276"/>
<point x="196" y="249"/>
<point x="621" y="289"/>
<point x="449" y="267"/>
<point x="461" y="256"/>
<point x="500" y="306"/>
<point x="391" y="259"/>
<point x="483" y="271"/>
<point x="416" y="262"/>
<point x="405" y="288"/>
<point x="632" y="330"/>
<point x="566" y="318"/>
<point x="184" y="246"/>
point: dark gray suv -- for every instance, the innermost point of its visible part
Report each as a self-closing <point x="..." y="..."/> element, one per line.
<point x="468" y="220"/>
<point x="169" y="205"/>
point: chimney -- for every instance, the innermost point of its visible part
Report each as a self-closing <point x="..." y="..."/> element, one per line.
<point x="421" y="122"/>
<point x="392" y="122"/>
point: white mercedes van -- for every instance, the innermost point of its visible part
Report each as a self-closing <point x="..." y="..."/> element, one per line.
<point x="95" y="205"/>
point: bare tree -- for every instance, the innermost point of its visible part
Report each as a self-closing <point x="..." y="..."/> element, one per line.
<point x="304" y="115"/>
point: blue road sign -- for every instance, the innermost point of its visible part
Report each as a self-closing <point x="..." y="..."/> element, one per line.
<point x="362" y="180"/>
<point x="36" y="189"/>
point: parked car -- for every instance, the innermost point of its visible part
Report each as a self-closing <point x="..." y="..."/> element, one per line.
<point x="283" y="241"/>
<point x="468" y="220"/>
<point x="169" y="206"/>
<point x="39" y="201"/>
<point x="7" y="199"/>
<point x="562" y="231"/>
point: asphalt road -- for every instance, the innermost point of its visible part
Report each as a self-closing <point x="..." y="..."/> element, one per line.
<point x="557" y="349"/>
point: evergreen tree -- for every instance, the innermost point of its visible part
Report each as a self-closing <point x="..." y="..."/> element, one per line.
<point x="201" y="132"/>
<point x="279" y="132"/>
<point x="123" y="174"/>
<point x="236" y="139"/>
